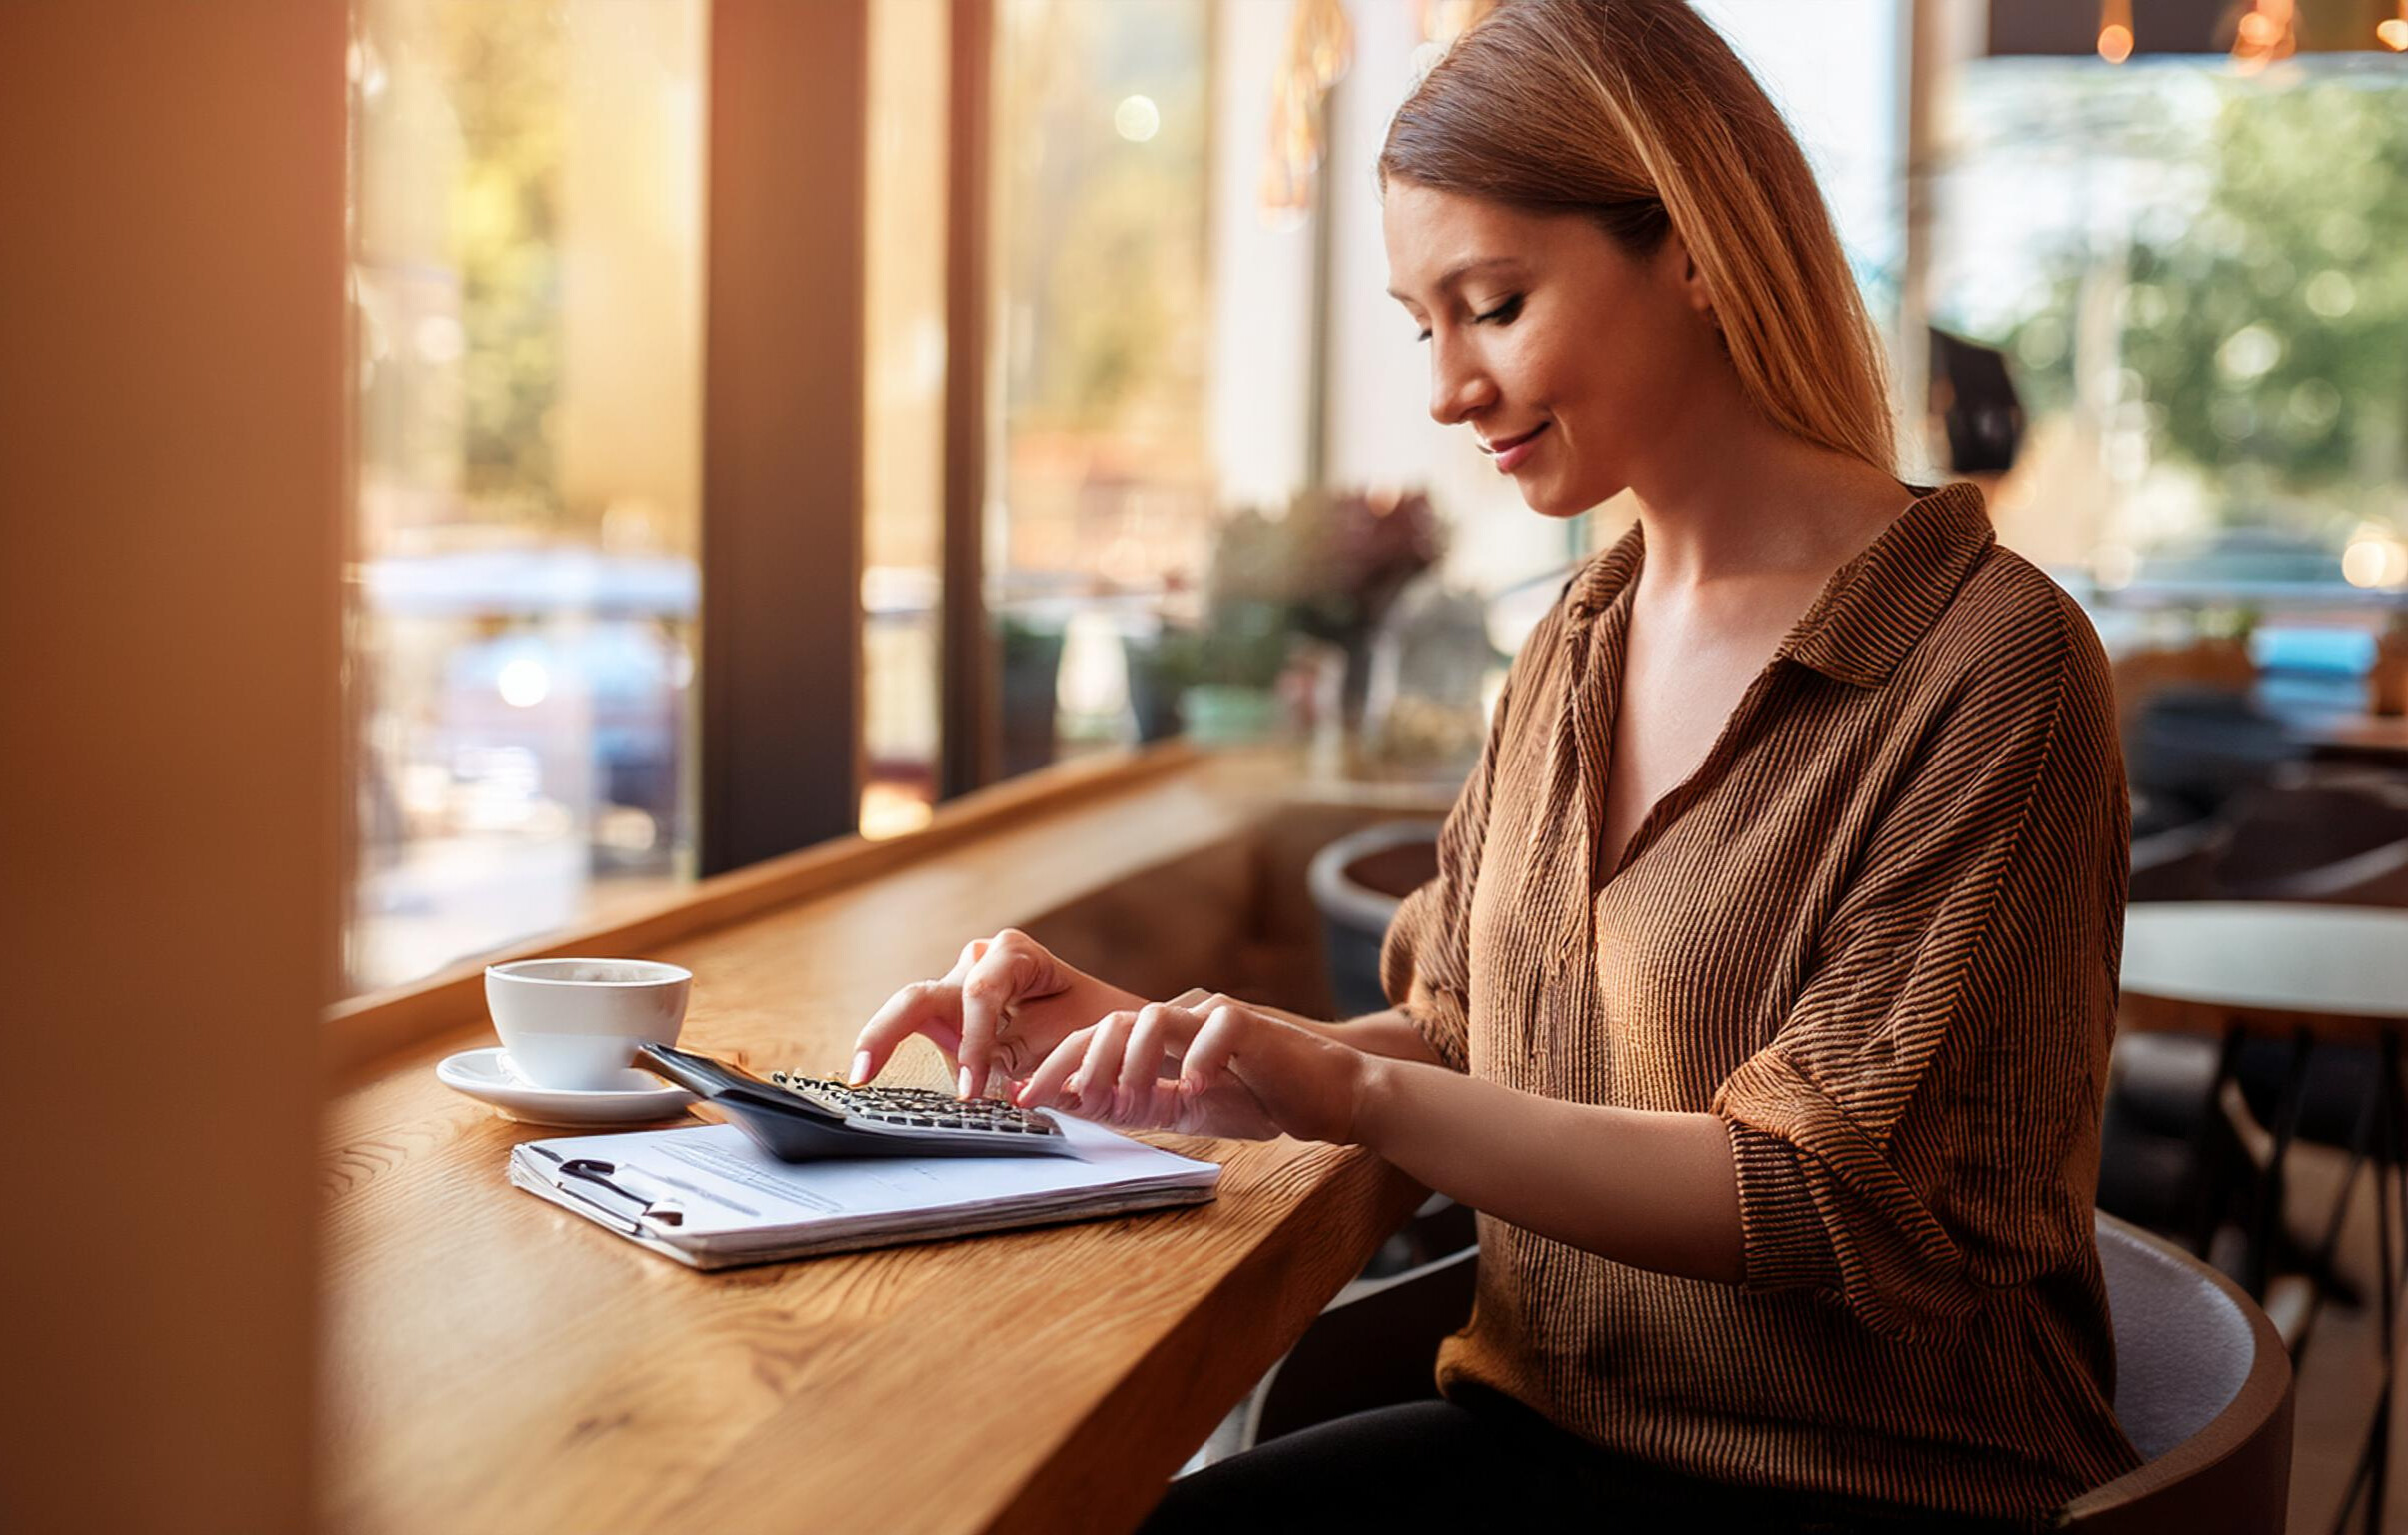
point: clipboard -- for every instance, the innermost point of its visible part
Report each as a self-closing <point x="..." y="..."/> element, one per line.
<point x="584" y="1185"/>
<point x="706" y="1198"/>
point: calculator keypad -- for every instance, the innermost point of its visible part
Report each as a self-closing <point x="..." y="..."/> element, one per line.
<point x="916" y="1108"/>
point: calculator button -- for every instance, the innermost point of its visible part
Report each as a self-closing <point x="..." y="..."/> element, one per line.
<point x="875" y="1110"/>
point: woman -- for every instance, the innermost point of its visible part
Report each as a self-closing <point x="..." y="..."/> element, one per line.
<point x="1761" y="1004"/>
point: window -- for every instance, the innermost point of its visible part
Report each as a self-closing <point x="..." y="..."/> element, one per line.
<point x="904" y="465"/>
<point x="1101" y="495"/>
<point x="525" y="230"/>
<point x="2195" y="272"/>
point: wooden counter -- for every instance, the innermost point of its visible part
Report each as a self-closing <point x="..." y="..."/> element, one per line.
<point x="496" y="1364"/>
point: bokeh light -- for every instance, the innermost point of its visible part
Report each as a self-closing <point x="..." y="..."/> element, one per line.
<point x="1136" y="119"/>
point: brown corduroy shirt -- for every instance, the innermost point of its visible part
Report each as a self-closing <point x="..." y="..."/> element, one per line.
<point x="1877" y="933"/>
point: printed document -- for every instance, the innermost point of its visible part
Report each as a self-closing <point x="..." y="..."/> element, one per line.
<point x="708" y="1197"/>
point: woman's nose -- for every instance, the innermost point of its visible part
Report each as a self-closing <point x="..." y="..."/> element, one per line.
<point x="1458" y="387"/>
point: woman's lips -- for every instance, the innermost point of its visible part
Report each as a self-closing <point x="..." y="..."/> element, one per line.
<point x="1509" y="452"/>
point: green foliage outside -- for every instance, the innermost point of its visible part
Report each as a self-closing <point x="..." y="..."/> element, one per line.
<point x="1102" y="238"/>
<point x="2271" y="335"/>
<point x="504" y="63"/>
<point x="2278" y="333"/>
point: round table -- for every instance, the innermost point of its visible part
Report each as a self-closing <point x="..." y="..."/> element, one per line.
<point x="2340" y="972"/>
<point x="2354" y="736"/>
<point x="2314" y="975"/>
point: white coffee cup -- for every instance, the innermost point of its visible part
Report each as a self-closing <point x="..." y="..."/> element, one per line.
<point x="573" y="1025"/>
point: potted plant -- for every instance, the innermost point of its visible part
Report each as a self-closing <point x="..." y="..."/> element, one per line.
<point x="1327" y="568"/>
<point x="1030" y="656"/>
<point x="1162" y="666"/>
<point x="1353" y="553"/>
<point x="1226" y="666"/>
<point x="1237" y="660"/>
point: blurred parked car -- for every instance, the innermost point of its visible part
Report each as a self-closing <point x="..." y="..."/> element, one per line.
<point x="537" y="694"/>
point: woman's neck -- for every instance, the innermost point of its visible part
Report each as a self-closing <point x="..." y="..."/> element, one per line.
<point x="1735" y="497"/>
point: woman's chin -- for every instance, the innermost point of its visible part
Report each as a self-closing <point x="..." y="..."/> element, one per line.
<point x="1551" y="498"/>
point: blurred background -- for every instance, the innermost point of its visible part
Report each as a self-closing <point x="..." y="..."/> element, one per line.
<point x="2145" y="275"/>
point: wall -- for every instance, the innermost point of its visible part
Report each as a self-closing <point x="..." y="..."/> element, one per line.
<point x="172" y="476"/>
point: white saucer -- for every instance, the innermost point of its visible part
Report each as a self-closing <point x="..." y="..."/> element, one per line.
<point x="487" y="1077"/>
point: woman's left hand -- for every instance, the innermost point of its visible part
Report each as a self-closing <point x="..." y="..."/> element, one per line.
<point x="1218" y="1069"/>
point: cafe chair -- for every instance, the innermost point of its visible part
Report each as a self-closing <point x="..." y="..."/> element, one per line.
<point x="2193" y="748"/>
<point x="1376" y="1345"/>
<point x="2174" y="1151"/>
<point x="2375" y="877"/>
<point x="2171" y="1161"/>
<point x="1357" y="883"/>
<point x="2333" y="839"/>
<point x="2213" y="664"/>
<point x="2311" y="839"/>
<point x="1412" y="1294"/>
<point x="2202" y="1387"/>
<point x="2178" y="863"/>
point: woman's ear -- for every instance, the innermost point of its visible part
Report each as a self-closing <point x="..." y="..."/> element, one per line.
<point x="1682" y="268"/>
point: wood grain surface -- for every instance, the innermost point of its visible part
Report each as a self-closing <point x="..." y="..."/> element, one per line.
<point x="494" y="1364"/>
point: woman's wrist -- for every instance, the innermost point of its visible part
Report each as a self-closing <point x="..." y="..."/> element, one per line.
<point x="1375" y="1090"/>
<point x="1096" y="998"/>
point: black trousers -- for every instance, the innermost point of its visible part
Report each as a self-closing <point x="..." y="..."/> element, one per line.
<point x="1445" y="1467"/>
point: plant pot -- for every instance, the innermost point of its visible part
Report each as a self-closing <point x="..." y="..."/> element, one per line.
<point x="1222" y="713"/>
<point x="1155" y="666"/>
<point x="1032" y="674"/>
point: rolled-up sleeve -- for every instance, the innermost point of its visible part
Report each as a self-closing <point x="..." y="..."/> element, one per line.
<point x="1425" y="961"/>
<point x="1922" y="1129"/>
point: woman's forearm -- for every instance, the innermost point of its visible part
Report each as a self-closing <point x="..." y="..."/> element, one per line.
<point x="1655" y="1190"/>
<point x="1389" y="1034"/>
<point x="1651" y="1189"/>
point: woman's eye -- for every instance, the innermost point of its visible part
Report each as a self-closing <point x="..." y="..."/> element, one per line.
<point x="1502" y="313"/>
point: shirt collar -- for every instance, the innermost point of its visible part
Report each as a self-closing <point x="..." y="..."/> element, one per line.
<point x="1873" y="610"/>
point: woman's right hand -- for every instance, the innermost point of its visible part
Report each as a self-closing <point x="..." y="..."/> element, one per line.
<point x="999" y="1011"/>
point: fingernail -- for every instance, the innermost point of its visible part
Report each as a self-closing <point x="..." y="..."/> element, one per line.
<point x="965" y="1087"/>
<point x="860" y="1069"/>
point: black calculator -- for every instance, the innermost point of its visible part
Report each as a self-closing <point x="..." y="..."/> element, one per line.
<point x="800" y="1118"/>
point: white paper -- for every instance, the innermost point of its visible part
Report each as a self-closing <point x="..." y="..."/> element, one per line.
<point x="735" y="1204"/>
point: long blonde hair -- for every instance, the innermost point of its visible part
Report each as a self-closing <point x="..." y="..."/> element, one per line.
<point x="1638" y="114"/>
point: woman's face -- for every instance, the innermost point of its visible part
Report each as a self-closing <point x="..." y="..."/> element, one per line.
<point x="1571" y="358"/>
